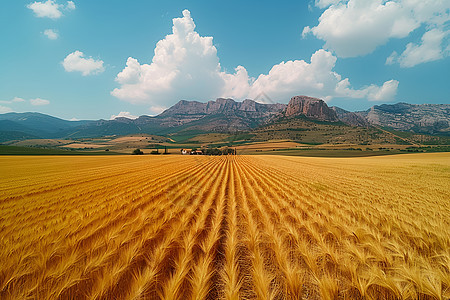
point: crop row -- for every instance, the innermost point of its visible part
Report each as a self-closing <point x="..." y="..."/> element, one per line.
<point x="224" y="228"/>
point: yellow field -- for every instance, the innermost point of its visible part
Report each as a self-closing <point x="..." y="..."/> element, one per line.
<point x="194" y="227"/>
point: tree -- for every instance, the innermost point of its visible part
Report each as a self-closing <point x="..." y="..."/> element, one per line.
<point x="213" y="151"/>
<point x="137" y="152"/>
<point x="227" y="151"/>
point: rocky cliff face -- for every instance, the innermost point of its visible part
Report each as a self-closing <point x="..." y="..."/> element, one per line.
<point x="310" y="107"/>
<point x="222" y="114"/>
<point x="221" y="106"/>
<point x="350" y="118"/>
<point x="423" y="118"/>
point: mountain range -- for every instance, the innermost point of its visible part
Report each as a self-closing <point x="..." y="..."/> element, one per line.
<point x="229" y="116"/>
<point x="425" y="118"/>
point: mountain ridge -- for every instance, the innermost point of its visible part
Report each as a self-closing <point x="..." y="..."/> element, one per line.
<point x="417" y="118"/>
<point x="227" y="115"/>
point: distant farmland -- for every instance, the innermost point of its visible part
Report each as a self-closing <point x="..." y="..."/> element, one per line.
<point x="229" y="227"/>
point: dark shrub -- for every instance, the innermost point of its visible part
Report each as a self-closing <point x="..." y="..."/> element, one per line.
<point x="137" y="152"/>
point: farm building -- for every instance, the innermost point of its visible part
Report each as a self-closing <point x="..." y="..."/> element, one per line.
<point x="191" y="152"/>
<point x="186" y="151"/>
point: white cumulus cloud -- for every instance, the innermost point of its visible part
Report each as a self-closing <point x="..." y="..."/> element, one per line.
<point x="326" y="3"/>
<point x="51" y="34"/>
<point x="357" y="27"/>
<point x="123" y="114"/>
<point x="157" y="109"/>
<point x="17" y="99"/>
<point x="5" y="109"/>
<point x="39" y="102"/>
<point x="75" y="62"/>
<point x="430" y="49"/>
<point x="70" y="5"/>
<point x="50" y="9"/>
<point x="13" y="100"/>
<point x="386" y="92"/>
<point x="186" y="66"/>
<point x="183" y="63"/>
<point x="392" y="59"/>
<point x="316" y="79"/>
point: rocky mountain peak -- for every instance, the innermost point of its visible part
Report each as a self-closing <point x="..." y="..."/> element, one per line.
<point x="310" y="107"/>
<point x="248" y="105"/>
<point x="221" y="105"/>
<point x="184" y="107"/>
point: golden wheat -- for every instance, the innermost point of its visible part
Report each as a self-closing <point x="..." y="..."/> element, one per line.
<point x="230" y="227"/>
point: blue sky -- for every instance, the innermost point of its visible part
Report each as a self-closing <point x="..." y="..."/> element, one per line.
<point x="85" y="59"/>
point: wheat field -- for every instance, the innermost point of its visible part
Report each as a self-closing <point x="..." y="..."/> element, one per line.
<point x="229" y="227"/>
